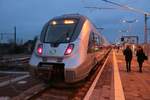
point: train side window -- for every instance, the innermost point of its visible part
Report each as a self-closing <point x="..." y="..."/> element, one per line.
<point x="91" y="43"/>
<point x="96" y="43"/>
<point x="98" y="40"/>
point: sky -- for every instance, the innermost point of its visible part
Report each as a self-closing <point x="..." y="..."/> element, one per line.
<point x="29" y="16"/>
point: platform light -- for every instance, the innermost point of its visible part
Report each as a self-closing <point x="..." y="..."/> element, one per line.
<point x="68" y="22"/>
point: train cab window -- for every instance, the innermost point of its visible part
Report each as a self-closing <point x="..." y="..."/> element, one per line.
<point x="43" y="32"/>
<point x="60" y="31"/>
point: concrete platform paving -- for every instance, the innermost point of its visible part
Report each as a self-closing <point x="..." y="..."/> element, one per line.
<point x="136" y="85"/>
<point x="122" y="85"/>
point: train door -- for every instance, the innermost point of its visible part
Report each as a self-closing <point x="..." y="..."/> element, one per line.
<point x="91" y="49"/>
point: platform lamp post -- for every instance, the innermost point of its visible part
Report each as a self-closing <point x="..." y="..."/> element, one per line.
<point x="14" y="44"/>
<point x="15" y="35"/>
<point x="148" y="29"/>
<point x="146" y="17"/>
<point x="146" y="46"/>
<point x="130" y="22"/>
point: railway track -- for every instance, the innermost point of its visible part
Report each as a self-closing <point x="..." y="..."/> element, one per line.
<point x="63" y="91"/>
<point x="17" y="64"/>
<point x="14" y="60"/>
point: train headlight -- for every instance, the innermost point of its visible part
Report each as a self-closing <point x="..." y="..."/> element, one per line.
<point x="40" y="49"/>
<point x="53" y="22"/>
<point x="69" y="49"/>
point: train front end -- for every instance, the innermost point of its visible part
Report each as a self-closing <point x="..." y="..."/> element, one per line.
<point x="56" y="52"/>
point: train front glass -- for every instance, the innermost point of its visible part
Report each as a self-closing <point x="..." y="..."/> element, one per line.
<point x="60" y="31"/>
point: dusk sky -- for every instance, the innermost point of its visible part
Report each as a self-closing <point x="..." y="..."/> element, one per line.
<point x="29" y="16"/>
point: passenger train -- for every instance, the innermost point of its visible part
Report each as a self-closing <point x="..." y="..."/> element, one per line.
<point x="66" y="48"/>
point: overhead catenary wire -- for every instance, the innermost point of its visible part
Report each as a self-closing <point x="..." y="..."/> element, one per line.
<point x="126" y="7"/>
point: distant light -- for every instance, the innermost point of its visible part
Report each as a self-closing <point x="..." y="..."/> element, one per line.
<point x="54" y="23"/>
<point x="129" y="21"/>
<point x="68" y="22"/>
<point x="136" y="20"/>
<point x="124" y="21"/>
<point x="133" y="47"/>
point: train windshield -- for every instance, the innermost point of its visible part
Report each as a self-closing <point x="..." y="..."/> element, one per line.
<point x="60" y="31"/>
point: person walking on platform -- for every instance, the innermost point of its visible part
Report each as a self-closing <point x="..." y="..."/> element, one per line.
<point x="128" y="57"/>
<point x="140" y="57"/>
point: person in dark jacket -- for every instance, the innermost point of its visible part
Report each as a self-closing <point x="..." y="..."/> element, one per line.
<point x="128" y="57"/>
<point x="140" y="57"/>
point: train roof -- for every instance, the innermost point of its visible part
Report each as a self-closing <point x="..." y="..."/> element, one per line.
<point x="65" y="16"/>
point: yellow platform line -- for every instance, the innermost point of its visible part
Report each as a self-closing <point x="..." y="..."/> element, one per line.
<point x="118" y="90"/>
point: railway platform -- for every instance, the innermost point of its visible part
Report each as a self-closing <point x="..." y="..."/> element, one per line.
<point x="115" y="83"/>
